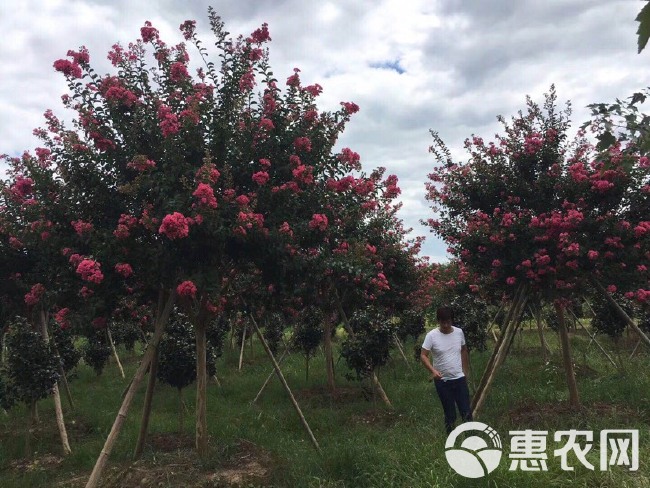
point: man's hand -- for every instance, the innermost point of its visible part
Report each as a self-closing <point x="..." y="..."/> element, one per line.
<point x="435" y="375"/>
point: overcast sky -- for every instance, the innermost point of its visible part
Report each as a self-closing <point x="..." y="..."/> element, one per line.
<point x="411" y="65"/>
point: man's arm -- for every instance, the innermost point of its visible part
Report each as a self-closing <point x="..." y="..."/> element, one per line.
<point x="424" y="357"/>
<point x="464" y="355"/>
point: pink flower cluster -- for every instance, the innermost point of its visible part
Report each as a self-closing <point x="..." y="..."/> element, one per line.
<point x="124" y="226"/>
<point x="205" y="195"/>
<point x="261" y="177"/>
<point x="61" y="318"/>
<point x="148" y="32"/>
<point x="68" y="68"/>
<point x="124" y="269"/>
<point x="90" y="271"/>
<point x="168" y="121"/>
<point x="302" y="144"/>
<point x="141" y="163"/>
<point x="208" y="173"/>
<point x="35" y="294"/>
<point x="178" y="72"/>
<point x="318" y="221"/>
<point x="81" y="227"/>
<point x="186" y="289"/>
<point x="187" y="28"/>
<point x="175" y="226"/>
<point x="350" y="107"/>
<point x="113" y="91"/>
<point x="260" y="35"/>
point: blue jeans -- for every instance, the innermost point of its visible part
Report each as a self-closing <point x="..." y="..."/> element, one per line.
<point x="451" y="394"/>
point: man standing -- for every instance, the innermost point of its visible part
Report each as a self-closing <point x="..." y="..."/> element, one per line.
<point x="450" y="366"/>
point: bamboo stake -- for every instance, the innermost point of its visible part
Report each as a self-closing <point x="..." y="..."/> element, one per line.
<point x="493" y="321"/>
<point x="593" y="337"/>
<point x="505" y="338"/>
<point x="268" y="378"/>
<point x="638" y="343"/>
<point x="58" y="410"/>
<point x="499" y="341"/>
<point x="574" y="397"/>
<point x="117" y="358"/>
<point x="619" y="310"/>
<point x="278" y="371"/>
<point x="401" y="351"/>
<point x="146" y="408"/>
<point x="161" y="321"/>
<point x="241" y="351"/>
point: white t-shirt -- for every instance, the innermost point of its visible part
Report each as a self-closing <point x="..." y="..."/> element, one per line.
<point x="446" y="352"/>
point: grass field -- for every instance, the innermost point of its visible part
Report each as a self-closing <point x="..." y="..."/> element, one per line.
<point x="363" y="444"/>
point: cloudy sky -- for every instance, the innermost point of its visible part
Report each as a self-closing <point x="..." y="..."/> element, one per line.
<point x="411" y="65"/>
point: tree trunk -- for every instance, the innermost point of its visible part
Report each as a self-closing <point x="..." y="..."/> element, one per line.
<point x="574" y="398"/>
<point x="201" y="389"/>
<point x="540" y="330"/>
<point x="58" y="410"/>
<point x="64" y="378"/>
<point x="117" y="358"/>
<point x="146" y="408"/>
<point x="33" y="420"/>
<point x="620" y="311"/>
<point x="329" y="355"/>
<point x="181" y="411"/>
<point x="161" y="320"/>
<point x="278" y="371"/>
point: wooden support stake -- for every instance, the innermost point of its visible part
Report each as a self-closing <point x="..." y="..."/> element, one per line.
<point x="268" y="378"/>
<point x="241" y="351"/>
<point x="278" y="371"/>
<point x="115" y="355"/>
<point x="593" y="337"/>
<point x="635" y="348"/>
<point x="401" y="351"/>
<point x="161" y="321"/>
<point x="58" y="410"/>
<point x="574" y="397"/>
<point x="496" y="361"/>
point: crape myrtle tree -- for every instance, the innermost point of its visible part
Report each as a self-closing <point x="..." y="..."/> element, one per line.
<point x="538" y="213"/>
<point x="167" y="176"/>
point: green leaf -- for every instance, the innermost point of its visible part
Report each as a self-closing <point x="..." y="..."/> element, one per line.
<point x="644" y="26"/>
<point x="606" y="139"/>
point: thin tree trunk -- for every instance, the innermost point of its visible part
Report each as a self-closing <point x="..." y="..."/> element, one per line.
<point x="146" y="408"/>
<point x="574" y="398"/>
<point x="33" y="416"/>
<point x="117" y="358"/>
<point x="268" y="378"/>
<point x="512" y="322"/>
<point x="64" y="378"/>
<point x="201" y="389"/>
<point x="306" y="369"/>
<point x="540" y="329"/>
<point x="181" y="411"/>
<point x="58" y="410"/>
<point x="620" y="311"/>
<point x="161" y="320"/>
<point x="241" y="351"/>
<point x="278" y="371"/>
<point x="329" y="355"/>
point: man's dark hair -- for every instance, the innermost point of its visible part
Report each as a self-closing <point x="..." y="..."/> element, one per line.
<point x="445" y="314"/>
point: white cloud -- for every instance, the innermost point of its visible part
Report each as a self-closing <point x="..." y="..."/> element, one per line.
<point x="464" y="63"/>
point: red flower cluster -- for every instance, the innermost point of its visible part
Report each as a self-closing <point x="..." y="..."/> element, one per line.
<point x="141" y="163"/>
<point x="81" y="227"/>
<point x="124" y="269"/>
<point x="89" y="270"/>
<point x="35" y="294"/>
<point x="148" y="32"/>
<point x="205" y="195"/>
<point x="61" y="318"/>
<point x="186" y="289"/>
<point x="174" y="226"/>
<point x="169" y="124"/>
<point x="261" y="177"/>
<point x="318" y="221"/>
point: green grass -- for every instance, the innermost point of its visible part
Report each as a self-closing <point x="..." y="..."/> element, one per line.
<point x="362" y="443"/>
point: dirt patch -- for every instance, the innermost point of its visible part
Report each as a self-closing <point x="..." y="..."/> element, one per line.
<point x="250" y="464"/>
<point x="340" y="395"/>
<point x="531" y="413"/>
<point x="45" y="462"/>
<point x="380" y="418"/>
<point x="168" y="442"/>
